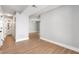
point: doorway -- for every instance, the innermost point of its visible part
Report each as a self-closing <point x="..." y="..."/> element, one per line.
<point x="7" y="27"/>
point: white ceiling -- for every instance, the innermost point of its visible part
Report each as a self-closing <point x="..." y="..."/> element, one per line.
<point x="47" y="9"/>
<point x="27" y="9"/>
<point x="12" y="9"/>
<point x="39" y="9"/>
<point x="31" y="10"/>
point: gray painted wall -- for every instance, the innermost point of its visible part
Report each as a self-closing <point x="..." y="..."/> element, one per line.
<point x="61" y="25"/>
<point x="34" y="24"/>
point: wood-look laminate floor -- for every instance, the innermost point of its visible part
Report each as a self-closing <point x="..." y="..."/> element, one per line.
<point x="36" y="47"/>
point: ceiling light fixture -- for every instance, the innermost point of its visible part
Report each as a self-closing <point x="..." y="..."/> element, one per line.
<point x="34" y="6"/>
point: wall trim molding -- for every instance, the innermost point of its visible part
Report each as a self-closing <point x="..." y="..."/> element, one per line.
<point x="18" y="40"/>
<point x="60" y="44"/>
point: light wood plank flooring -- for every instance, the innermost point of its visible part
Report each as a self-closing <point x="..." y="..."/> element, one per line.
<point x="35" y="46"/>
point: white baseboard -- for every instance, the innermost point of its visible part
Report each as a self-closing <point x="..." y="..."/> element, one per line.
<point x="60" y="44"/>
<point x="18" y="40"/>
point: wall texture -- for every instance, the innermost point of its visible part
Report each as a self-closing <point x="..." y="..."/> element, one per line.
<point x="34" y="26"/>
<point x="61" y="25"/>
<point x="22" y="27"/>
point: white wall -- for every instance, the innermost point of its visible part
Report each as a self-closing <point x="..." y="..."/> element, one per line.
<point x="34" y="24"/>
<point x="61" y="25"/>
<point x="33" y="27"/>
<point x="75" y="26"/>
<point x="22" y="27"/>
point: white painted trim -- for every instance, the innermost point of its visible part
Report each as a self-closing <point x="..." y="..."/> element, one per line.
<point x="60" y="44"/>
<point x="18" y="40"/>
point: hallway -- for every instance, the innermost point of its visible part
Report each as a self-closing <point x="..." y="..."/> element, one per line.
<point x="56" y="23"/>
